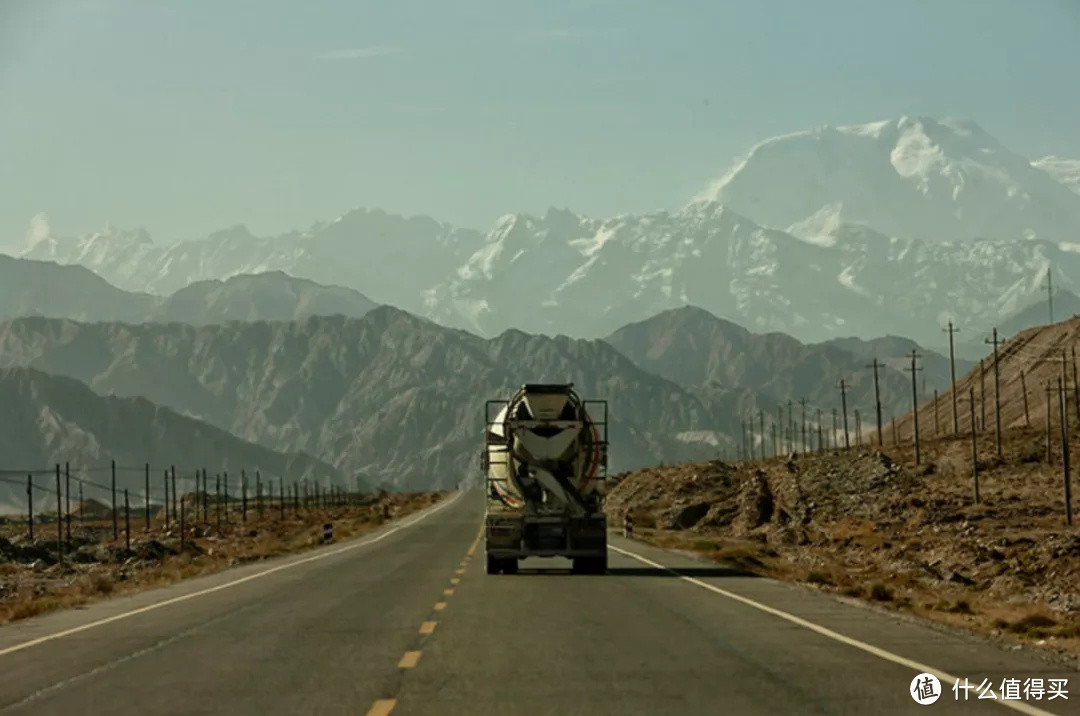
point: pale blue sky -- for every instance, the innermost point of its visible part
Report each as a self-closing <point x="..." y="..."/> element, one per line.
<point x="185" y="117"/>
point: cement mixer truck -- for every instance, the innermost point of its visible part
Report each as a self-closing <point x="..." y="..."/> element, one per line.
<point x="545" y="462"/>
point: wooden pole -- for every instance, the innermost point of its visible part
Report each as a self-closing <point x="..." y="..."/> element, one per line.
<point x="1065" y="452"/>
<point x="997" y="397"/>
<point x="974" y="446"/>
<point x="1049" y="430"/>
<point x="952" y="373"/>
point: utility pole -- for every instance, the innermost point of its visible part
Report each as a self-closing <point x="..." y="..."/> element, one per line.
<point x="803" y="404"/>
<point x="835" y="428"/>
<point x="1023" y="387"/>
<point x="997" y="393"/>
<point x="747" y="454"/>
<point x="791" y="426"/>
<point x="761" y="424"/>
<point x="777" y="446"/>
<point x="915" y="400"/>
<point x="742" y="440"/>
<point x="820" y="437"/>
<point x="877" y="401"/>
<point x="937" y="423"/>
<point x="1065" y="451"/>
<point x="1049" y="286"/>
<point x="952" y="373"/>
<point x="974" y="446"/>
<point x="1076" y="384"/>
<point x="843" y="404"/>
<point x="982" y="396"/>
<point x="858" y="428"/>
<point x="895" y="435"/>
<point x="1049" y="431"/>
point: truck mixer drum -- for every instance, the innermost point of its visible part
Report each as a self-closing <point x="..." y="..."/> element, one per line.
<point x="545" y="460"/>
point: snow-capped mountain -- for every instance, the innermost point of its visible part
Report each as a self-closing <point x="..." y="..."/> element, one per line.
<point x="1066" y="171"/>
<point x="587" y="277"/>
<point x="890" y="227"/>
<point x="914" y="178"/>
<point x="388" y="255"/>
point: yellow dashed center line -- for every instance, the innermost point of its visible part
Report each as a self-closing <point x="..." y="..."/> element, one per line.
<point x="382" y="707"/>
<point x="409" y="660"/>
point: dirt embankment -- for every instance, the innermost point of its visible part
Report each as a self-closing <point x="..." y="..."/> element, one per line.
<point x="34" y="580"/>
<point x="870" y="523"/>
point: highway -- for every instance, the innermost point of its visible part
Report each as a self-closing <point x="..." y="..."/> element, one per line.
<point x="405" y="621"/>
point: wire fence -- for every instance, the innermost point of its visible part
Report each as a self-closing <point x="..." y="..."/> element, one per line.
<point x="102" y="495"/>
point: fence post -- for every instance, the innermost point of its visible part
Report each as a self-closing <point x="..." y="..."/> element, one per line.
<point x="127" y="521"/>
<point x="146" y="495"/>
<point x="243" y="496"/>
<point x="67" y="502"/>
<point x="115" y="526"/>
<point x="217" y="501"/>
<point x="30" y="502"/>
<point x="182" y="525"/>
<point x="172" y="470"/>
<point x="166" y="473"/>
<point x="59" y="519"/>
<point x="858" y="428"/>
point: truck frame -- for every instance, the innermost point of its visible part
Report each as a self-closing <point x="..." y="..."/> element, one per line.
<point x="539" y="525"/>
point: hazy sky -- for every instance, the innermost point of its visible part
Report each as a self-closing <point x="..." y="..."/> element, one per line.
<point x="185" y="117"/>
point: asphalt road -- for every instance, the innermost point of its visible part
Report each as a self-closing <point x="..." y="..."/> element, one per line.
<point x="405" y="622"/>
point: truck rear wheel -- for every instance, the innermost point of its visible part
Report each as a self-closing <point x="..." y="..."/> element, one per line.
<point x="510" y="566"/>
<point x="492" y="565"/>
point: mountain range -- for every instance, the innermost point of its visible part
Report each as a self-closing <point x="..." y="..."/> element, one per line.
<point x="52" y="419"/>
<point x="397" y="400"/>
<point x="889" y="227"/>
<point x="44" y="288"/>
<point x="390" y="397"/>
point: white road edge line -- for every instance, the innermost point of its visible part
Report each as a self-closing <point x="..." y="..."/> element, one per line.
<point x="227" y="585"/>
<point x="944" y="677"/>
